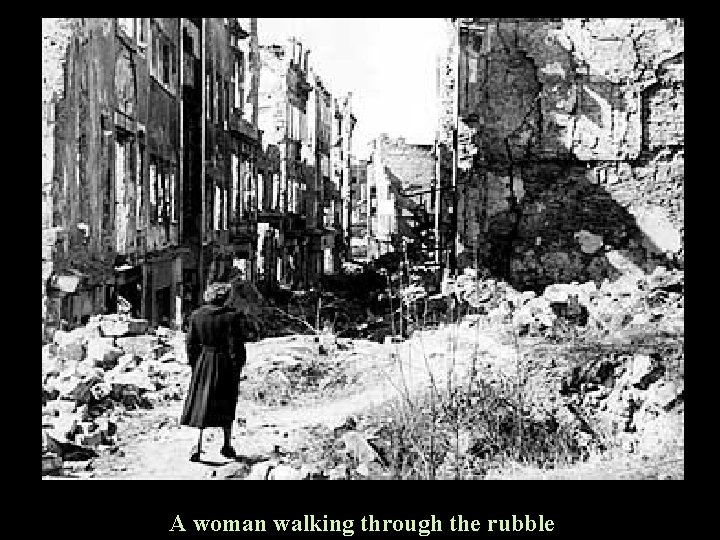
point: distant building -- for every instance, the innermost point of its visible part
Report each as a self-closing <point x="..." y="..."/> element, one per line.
<point x="232" y="144"/>
<point x="285" y="87"/>
<point x="401" y="180"/>
<point x="359" y="209"/>
<point x="344" y="122"/>
<point x="323" y="195"/>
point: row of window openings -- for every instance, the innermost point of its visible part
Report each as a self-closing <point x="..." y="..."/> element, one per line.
<point x="219" y="96"/>
<point x="217" y="214"/>
<point x="163" y="55"/>
<point x="162" y="188"/>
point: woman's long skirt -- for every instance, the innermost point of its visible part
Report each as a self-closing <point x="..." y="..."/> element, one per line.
<point x="212" y="396"/>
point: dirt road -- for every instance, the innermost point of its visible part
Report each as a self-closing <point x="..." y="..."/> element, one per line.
<point x="151" y="444"/>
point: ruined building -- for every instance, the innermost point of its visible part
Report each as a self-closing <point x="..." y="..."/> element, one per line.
<point x="283" y="118"/>
<point x="228" y="137"/>
<point x="344" y="122"/>
<point x="401" y="183"/>
<point x="322" y="195"/>
<point x="564" y="141"/>
<point x="306" y="162"/>
<point x="359" y="209"/>
<point x="136" y="112"/>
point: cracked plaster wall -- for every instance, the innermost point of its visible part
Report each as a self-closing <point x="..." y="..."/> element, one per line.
<point x="583" y="121"/>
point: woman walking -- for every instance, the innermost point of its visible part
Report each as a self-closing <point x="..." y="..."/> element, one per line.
<point x="216" y="353"/>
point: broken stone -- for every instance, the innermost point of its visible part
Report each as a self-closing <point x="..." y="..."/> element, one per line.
<point x="357" y="446"/>
<point x="145" y="346"/>
<point x="285" y="472"/>
<point x="53" y="444"/>
<point x="136" y="379"/>
<point x="640" y="366"/>
<point x="92" y="440"/>
<point x="87" y="369"/>
<point x="103" y="353"/>
<point x="82" y="393"/>
<point x="86" y="427"/>
<point x="49" y="394"/>
<point x="123" y="327"/>
<point x="64" y="426"/>
<point x="51" y="463"/>
<point x="262" y="470"/>
<point x="286" y="361"/>
<point x="57" y="407"/>
<point x="127" y="362"/>
<point x="340" y="472"/>
<point x="101" y="390"/>
<point x="662" y="279"/>
<point x="63" y="338"/>
<point x="51" y="364"/>
<point x="168" y="357"/>
<point x="589" y="243"/>
<point x="71" y="352"/>
<point x="130" y="397"/>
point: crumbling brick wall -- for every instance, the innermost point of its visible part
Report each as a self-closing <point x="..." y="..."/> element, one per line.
<point x="571" y="147"/>
<point x="77" y="89"/>
<point x="398" y="170"/>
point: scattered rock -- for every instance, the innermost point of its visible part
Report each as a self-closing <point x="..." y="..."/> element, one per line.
<point x="145" y="346"/>
<point x="82" y="392"/>
<point x="358" y="447"/>
<point x="341" y="472"/>
<point x="51" y="463"/>
<point x="285" y="472"/>
<point x="103" y="353"/>
<point x="262" y="470"/>
<point x="123" y="327"/>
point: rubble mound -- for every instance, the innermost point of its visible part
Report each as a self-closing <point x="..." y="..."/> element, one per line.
<point x="632" y="301"/>
<point x="91" y="375"/>
<point x="311" y="368"/>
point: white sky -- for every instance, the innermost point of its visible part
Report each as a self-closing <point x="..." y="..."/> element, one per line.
<point x="388" y="65"/>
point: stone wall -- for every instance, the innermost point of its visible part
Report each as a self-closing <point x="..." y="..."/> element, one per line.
<point x="571" y="147"/>
<point x="398" y="170"/>
<point x="78" y="232"/>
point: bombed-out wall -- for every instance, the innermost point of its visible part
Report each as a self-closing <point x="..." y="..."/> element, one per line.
<point x="570" y="146"/>
<point x="78" y="102"/>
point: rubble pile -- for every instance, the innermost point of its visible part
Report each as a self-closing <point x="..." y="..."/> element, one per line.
<point x="92" y="374"/>
<point x="632" y="301"/>
<point x="624" y="396"/>
<point x="313" y="367"/>
<point x="353" y="450"/>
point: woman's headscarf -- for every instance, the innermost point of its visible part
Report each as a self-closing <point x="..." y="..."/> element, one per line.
<point x="217" y="293"/>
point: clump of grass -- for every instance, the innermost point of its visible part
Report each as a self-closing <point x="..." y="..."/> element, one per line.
<point x="466" y="431"/>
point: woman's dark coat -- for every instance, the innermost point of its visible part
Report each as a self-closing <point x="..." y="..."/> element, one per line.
<point x="216" y="352"/>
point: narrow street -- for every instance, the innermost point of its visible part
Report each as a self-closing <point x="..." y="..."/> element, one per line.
<point x="151" y="444"/>
<point x="453" y="247"/>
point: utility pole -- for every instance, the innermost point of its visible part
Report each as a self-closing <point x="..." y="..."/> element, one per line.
<point x="203" y="113"/>
<point x="180" y="179"/>
<point x="456" y="113"/>
<point x="436" y="189"/>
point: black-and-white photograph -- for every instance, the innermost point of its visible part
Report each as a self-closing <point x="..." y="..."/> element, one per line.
<point x="363" y="248"/>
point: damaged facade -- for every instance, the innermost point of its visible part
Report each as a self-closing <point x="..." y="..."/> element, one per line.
<point x="341" y="155"/>
<point x="564" y="139"/>
<point x="402" y="193"/>
<point x="307" y="144"/>
<point x="232" y="142"/>
<point x="127" y="223"/>
<point x="322" y="195"/>
<point x="283" y="117"/>
<point x="359" y="209"/>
